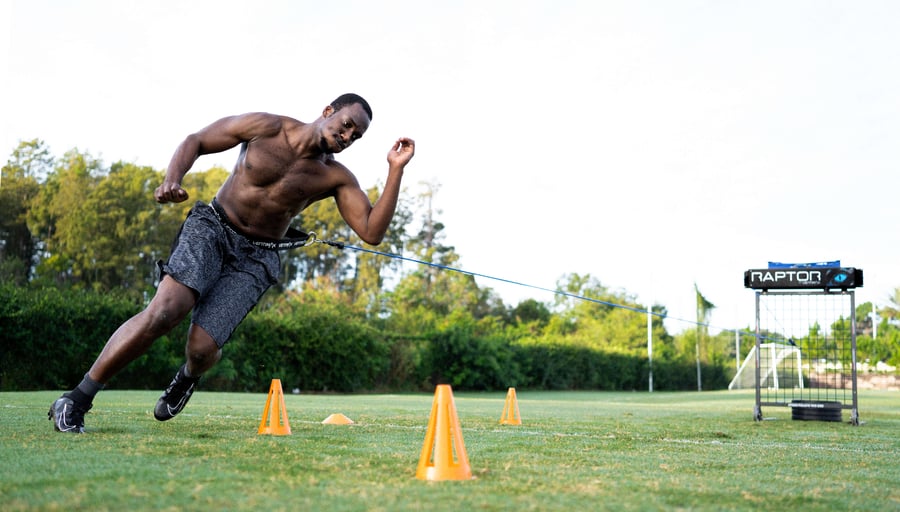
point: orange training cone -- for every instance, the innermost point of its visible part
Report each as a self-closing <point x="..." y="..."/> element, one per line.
<point x="337" y="419"/>
<point x="275" y="414"/>
<point x="444" y="434"/>
<point x="510" y="414"/>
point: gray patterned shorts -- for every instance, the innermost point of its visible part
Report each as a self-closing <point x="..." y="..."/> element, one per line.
<point x="229" y="273"/>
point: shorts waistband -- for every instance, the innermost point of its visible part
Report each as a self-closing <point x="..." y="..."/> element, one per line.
<point x="295" y="238"/>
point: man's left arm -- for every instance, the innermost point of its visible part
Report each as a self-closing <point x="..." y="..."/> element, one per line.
<point x="370" y="221"/>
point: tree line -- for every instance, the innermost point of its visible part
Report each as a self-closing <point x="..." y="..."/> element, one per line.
<point x="72" y="228"/>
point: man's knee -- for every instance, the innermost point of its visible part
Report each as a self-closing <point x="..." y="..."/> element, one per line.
<point x="202" y="349"/>
<point x="171" y="304"/>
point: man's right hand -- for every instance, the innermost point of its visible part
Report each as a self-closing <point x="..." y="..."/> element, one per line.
<point x="170" y="192"/>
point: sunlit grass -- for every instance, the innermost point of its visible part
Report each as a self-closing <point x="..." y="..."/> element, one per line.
<point x="574" y="451"/>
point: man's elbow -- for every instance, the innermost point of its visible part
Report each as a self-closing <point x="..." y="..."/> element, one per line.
<point x="372" y="240"/>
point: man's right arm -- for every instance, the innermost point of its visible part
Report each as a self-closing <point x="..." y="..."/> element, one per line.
<point x="221" y="135"/>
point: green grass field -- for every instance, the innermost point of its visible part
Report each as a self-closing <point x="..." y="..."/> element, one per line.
<point x="574" y="451"/>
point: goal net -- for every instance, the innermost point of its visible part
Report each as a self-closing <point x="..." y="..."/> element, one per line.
<point x="780" y="367"/>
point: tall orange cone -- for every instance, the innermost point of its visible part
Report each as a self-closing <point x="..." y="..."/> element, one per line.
<point x="443" y="453"/>
<point x="510" y="414"/>
<point x="274" y="418"/>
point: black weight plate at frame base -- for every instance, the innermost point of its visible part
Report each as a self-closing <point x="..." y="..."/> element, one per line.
<point x="813" y="410"/>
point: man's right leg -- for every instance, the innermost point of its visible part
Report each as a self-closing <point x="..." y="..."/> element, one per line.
<point x="171" y="304"/>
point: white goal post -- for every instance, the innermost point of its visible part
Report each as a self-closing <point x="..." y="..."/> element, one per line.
<point x="780" y="367"/>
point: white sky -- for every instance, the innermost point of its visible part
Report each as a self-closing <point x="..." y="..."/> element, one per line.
<point x="653" y="144"/>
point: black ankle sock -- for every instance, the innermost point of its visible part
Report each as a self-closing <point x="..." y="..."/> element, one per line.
<point x="85" y="392"/>
<point x="185" y="375"/>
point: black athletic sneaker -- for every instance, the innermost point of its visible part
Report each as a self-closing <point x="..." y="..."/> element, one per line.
<point x="67" y="416"/>
<point x="176" y="396"/>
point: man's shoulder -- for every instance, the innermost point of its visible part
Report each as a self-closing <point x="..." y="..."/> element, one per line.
<point x="332" y="164"/>
<point x="269" y="121"/>
<point x="255" y="124"/>
<point x="286" y="121"/>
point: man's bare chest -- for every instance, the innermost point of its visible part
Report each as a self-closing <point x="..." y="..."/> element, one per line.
<point x="286" y="173"/>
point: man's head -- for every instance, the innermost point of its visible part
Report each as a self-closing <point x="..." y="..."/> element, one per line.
<point x="344" y="121"/>
<point x="349" y="99"/>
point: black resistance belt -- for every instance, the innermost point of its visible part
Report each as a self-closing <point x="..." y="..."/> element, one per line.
<point x="293" y="238"/>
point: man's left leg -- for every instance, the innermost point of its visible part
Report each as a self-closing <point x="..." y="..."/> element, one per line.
<point x="202" y="353"/>
<point x="218" y="312"/>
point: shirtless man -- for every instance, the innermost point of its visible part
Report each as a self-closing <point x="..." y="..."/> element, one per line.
<point x="225" y="256"/>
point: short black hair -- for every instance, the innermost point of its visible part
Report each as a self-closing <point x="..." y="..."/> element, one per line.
<point x="348" y="99"/>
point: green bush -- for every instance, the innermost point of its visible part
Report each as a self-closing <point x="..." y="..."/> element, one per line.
<point x="314" y="342"/>
<point x="553" y="363"/>
<point x="461" y="357"/>
<point x="50" y="337"/>
<point x="309" y="345"/>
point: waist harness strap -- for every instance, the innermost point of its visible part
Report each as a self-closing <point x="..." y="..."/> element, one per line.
<point x="294" y="237"/>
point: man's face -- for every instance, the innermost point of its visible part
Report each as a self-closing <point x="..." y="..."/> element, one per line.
<point x="343" y="127"/>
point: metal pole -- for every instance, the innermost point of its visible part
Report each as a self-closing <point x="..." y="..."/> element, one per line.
<point x="697" y="349"/>
<point x="757" y="409"/>
<point x="699" y="380"/>
<point x="874" y="322"/>
<point x="854" y="412"/>
<point x="650" y="346"/>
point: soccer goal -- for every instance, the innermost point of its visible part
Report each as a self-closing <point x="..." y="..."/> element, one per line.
<point x="780" y="368"/>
